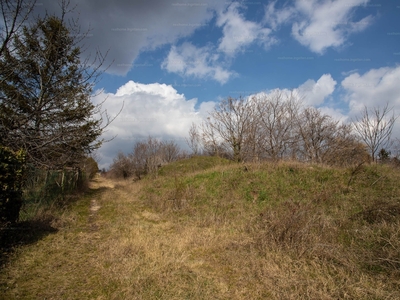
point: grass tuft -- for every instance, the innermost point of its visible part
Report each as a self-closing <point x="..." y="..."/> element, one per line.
<point x="206" y="228"/>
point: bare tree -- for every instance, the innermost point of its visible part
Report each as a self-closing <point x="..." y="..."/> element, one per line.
<point x="139" y="159"/>
<point x="194" y="140"/>
<point x="212" y="144"/>
<point x="154" y="158"/>
<point x="344" y="148"/>
<point x="122" y="166"/>
<point x="316" y="132"/>
<point x="374" y="128"/>
<point x="230" y="125"/>
<point x="169" y="151"/>
<point x="276" y="114"/>
<point x="147" y="156"/>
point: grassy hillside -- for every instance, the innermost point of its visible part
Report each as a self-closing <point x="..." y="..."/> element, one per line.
<point x="206" y="228"/>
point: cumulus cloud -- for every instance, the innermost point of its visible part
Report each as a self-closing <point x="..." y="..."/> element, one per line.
<point x="315" y="92"/>
<point x="153" y="109"/>
<point x="311" y="93"/>
<point x="238" y="32"/>
<point x="160" y="111"/>
<point x="318" y="24"/>
<point x="373" y="88"/>
<point x="209" y="61"/>
<point x="327" y="23"/>
<point x="126" y="28"/>
<point x="188" y="60"/>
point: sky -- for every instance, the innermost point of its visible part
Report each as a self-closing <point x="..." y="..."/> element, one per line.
<point x="170" y="62"/>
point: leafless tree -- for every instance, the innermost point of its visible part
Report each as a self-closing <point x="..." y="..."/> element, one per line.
<point x="146" y="158"/>
<point x="325" y="140"/>
<point x="122" y="166"/>
<point x="276" y="114"/>
<point x="194" y="140"/>
<point x="374" y="128"/>
<point x="139" y="159"/>
<point x="230" y="125"/>
<point x="169" y="151"/>
<point x="212" y="144"/>
<point x="344" y="148"/>
<point x="316" y="132"/>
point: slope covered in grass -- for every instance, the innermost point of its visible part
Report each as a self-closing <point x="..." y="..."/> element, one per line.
<point x="206" y="228"/>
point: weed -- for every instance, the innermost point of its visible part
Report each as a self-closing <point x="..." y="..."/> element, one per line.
<point x="212" y="230"/>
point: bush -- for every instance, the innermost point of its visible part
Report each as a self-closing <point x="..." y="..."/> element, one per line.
<point x="90" y="168"/>
<point x="122" y="166"/>
<point x="12" y="169"/>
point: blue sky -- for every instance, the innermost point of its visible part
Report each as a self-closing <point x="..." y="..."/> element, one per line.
<point x="173" y="60"/>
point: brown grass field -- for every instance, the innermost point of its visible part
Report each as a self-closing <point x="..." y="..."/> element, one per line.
<point x="205" y="228"/>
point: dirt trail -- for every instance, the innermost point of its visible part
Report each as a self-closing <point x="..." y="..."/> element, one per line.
<point x="97" y="183"/>
<point x="101" y="182"/>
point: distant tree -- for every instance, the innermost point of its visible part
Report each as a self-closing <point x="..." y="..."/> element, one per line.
<point x="232" y="120"/>
<point x="122" y="166"/>
<point x="344" y="148"/>
<point x="139" y="159"/>
<point x="45" y="97"/>
<point x="146" y="158"/>
<point x="212" y="145"/>
<point x="276" y="115"/>
<point x="154" y="157"/>
<point x="317" y="132"/>
<point x="169" y="151"/>
<point x="374" y="128"/>
<point x="194" y="140"/>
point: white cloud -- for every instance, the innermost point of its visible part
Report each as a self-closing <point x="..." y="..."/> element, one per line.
<point x="148" y="109"/>
<point x="239" y="33"/>
<point x="276" y="17"/>
<point x="336" y="114"/>
<point x="205" y="62"/>
<point x="188" y="60"/>
<point x="315" y="93"/>
<point x="327" y="23"/>
<point x="160" y="111"/>
<point x="373" y="88"/>
<point x="311" y="92"/>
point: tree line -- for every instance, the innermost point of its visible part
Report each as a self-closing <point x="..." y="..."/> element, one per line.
<point x="279" y="126"/>
<point x="147" y="157"/>
<point x="273" y="127"/>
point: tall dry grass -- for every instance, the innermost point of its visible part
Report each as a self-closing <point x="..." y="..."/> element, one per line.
<point x="222" y="231"/>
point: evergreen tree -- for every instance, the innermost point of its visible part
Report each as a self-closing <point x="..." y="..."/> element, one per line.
<point x="45" y="93"/>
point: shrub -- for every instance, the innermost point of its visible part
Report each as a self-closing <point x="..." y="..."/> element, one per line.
<point x="12" y="168"/>
<point x="90" y="168"/>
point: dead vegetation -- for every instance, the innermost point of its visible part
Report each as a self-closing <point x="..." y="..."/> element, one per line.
<point x="212" y="230"/>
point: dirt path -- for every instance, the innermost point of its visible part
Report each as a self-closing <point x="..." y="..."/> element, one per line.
<point x="97" y="183"/>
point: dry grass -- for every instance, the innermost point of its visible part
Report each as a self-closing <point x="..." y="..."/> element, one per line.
<point x="282" y="231"/>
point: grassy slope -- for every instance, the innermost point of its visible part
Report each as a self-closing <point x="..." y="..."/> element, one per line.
<point x="209" y="229"/>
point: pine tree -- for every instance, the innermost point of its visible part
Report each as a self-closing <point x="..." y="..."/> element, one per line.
<point x="45" y="93"/>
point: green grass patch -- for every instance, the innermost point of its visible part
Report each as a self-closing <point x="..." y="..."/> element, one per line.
<point x="221" y="230"/>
